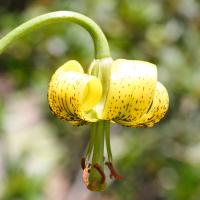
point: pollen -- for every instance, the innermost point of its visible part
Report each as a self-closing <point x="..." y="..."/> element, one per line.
<point x="85" y="173"/>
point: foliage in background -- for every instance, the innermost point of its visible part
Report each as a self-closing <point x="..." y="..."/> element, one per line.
<point x="158" y="163"/>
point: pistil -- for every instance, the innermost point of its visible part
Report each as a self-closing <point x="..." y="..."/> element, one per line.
<point x="98" y="154"/>
<point x="96" y="181"/>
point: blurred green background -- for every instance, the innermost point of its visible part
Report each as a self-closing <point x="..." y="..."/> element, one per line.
<point x="40" y="154"/>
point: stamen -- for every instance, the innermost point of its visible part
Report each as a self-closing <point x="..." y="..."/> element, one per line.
<point x="85" y="173"/>
<point x="100" y="170"/>
<point x="112" y="171"/>
<point x="83" y="164"/>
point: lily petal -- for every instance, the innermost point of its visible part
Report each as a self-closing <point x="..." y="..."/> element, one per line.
<point x="156" y="112"/>
<point x="131" y="91"/>
<point x="72" y="94"/>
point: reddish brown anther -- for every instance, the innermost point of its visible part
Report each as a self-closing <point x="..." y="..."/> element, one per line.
<point x="112" y="171"/>
<point x="100" y="170"/>
<point x="85" y="173"/>
<point x="83" y="164"/>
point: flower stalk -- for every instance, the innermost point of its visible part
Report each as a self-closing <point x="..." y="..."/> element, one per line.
<point x="100" y="43"/>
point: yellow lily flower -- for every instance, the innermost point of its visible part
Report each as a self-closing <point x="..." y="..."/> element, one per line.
<point x="134" y="97"/>
<point x="123" y="91"/>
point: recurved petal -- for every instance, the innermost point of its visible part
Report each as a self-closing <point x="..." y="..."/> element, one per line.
<point x="120" y="89"/>
<point x="131" y="91"/>
<point x="72" y="94"/>
<point x="155" y="113"/>
<point x="143" y="90"/>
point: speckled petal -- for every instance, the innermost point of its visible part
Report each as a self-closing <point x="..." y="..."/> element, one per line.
<point x="156" y="112"/>
<point x="132" y="88"/>
<point x="120" y="89"/>
<point x="72" y="94"/>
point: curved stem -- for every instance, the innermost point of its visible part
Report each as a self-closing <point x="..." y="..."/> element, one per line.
<point x="100" y="42"/>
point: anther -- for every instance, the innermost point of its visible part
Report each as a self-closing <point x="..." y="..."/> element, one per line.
<point x="83" y="164"/>
<point x="100" y="170"/>
<point x="85" y="173"/>
<point x="112" y="171"/>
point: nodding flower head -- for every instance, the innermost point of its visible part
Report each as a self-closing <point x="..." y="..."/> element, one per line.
<point x="127" y="92"/>
<point x="123" y="91"/>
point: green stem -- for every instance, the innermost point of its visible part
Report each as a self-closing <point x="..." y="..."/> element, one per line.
<point x="100" y="42"/>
